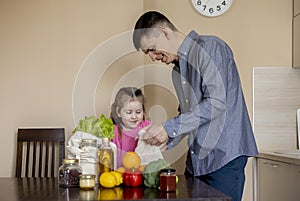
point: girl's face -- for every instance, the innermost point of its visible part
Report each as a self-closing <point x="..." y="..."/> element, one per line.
<point x="132" y="114"/>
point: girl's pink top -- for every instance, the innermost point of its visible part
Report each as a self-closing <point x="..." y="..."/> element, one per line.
<point x="128" y="140"/>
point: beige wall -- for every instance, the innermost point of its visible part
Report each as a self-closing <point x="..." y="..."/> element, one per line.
<point x="45" y="43"/>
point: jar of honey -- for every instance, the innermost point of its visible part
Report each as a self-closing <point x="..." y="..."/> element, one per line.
<point x="167" y="180"/>
<point x="87" y="181"/>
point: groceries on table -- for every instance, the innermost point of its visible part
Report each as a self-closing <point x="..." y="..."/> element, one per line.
<point x="92" y="160"/>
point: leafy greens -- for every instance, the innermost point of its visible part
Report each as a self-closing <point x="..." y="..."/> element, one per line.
<point x="152" y="171"/>
<point x="100" y="127"/>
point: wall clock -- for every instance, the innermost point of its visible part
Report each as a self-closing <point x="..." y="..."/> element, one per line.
<point x="212" y="8"/>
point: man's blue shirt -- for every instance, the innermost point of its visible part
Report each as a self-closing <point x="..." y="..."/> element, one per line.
<point x="212" y="108"/>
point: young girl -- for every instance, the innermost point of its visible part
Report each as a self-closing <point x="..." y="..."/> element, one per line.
<point x="127" y="113"/>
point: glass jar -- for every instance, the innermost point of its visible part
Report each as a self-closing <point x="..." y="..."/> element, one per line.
<point x="167" y="180"/>
<point x="87" y="181"/>
<point x="69" y="173"/>
<point x="88" y="157"/>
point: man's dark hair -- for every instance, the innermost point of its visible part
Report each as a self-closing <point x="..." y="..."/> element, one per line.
<point x="148" y="20"/>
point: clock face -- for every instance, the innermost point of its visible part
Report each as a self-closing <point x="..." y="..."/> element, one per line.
<point x="212" y="8"/>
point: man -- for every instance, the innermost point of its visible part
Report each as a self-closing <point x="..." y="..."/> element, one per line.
<point x="212" y="109"/>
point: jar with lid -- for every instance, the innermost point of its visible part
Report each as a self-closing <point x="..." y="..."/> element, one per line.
<point x="87" y="181"/>
<point x="88" y="143"/>
<point x="167" y="180"/>
<point x="105" y="157"/>
<point x="69" y="173"/>
<point x="88" y="157"/>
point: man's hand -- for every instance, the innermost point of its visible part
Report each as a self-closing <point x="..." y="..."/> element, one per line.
<point x="155" y="135"/>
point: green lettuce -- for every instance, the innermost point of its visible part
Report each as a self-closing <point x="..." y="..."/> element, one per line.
<point x="100" y="127"/>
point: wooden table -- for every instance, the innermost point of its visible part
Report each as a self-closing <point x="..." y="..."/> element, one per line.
<point x="43" y="189"/>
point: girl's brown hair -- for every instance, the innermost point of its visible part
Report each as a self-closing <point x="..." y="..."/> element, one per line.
<point x="124" y="95"/>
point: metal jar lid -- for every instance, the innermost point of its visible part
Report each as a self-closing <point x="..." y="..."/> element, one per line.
<point x="69" y="161"/>
<point x="168" y="170"/>
<point x="87" y="176"/>
<point x="88" y="142"/>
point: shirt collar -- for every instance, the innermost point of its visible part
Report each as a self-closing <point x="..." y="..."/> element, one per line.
<point x="186" y="44"/>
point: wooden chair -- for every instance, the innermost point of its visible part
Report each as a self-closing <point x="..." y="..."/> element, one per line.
<point x="40" y="151"/>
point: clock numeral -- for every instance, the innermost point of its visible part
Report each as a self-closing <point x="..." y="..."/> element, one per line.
<point x="211" y="8"/>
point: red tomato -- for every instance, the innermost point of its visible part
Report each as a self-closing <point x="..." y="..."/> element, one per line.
<point x="132" y="178"/>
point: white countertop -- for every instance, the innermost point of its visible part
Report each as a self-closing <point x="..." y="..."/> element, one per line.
<point x="281" y="156"/>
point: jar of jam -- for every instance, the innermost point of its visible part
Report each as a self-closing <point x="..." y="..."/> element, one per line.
<point x="87" y="181"/>
<point x="167" y="180"/>
<point x="69" y="173"/>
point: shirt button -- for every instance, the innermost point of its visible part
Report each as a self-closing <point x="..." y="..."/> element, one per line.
<point x="192" y="152"/>
<point x="174" y="133"/>
<point x="184" y="82"/>
<point x="186" y="100"/>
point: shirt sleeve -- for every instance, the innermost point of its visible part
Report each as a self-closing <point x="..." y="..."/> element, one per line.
<point x="205" y="96"/>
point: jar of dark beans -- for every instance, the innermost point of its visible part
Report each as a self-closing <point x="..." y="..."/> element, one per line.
<point x="69" y="173"/>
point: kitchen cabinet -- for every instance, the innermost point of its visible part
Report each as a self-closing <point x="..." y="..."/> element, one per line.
<point x="277" y="176"/>
<point x="296" y="41"/>
<point x="296" y="7"/>
<point x="295" y="177"/>
<point x="296" y="34"/>
<point x="273" y="180"/>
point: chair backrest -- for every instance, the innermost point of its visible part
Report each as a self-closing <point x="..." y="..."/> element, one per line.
<point x="40" y="151"/>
